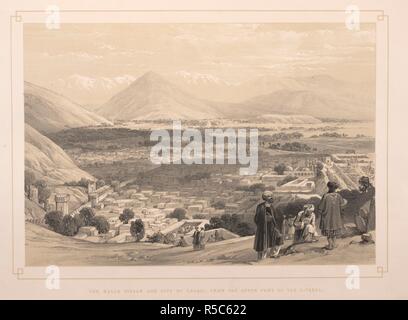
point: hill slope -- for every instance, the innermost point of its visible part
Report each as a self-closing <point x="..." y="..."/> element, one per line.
<point x="44" y="247"/>
<point x="151" y="97"/>
<point x="312" y="103"/>
<point x="47" y="111"/>
<point x="48" y="161"/>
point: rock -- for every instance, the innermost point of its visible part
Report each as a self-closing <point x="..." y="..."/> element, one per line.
<point x="368" y="237"/>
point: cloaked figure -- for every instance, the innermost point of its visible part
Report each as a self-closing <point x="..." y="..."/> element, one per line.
<point x="330" y="207"/>
<point x="267" y="234"/>
<point x="196" y="239"/>
<point x="305" y="225"/>
<point x="365" y="219"/>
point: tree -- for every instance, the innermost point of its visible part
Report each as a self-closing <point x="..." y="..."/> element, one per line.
<point x="87" y="214"/>
<point x="226" y="221"/>
<point x="126" y="215"/>
<point x="178" y="213"/>
<point x="280" y="168"/>
<point x="69" y="226"/>
<point x="100" y="223"/>
<point x="100" y="183"/>
<point x="215" y="223"/>
<point x="156" y="237"/>
<point x="43" y="191"/>
<point x="54" y="220"/>
<point x="137" y="229"/>
<point x="29" y="179"/>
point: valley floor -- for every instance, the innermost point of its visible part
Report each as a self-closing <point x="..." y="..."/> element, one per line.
<point x="44" y="247"/>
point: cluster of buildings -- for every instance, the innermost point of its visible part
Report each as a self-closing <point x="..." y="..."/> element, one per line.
<point x="202" y="191"/>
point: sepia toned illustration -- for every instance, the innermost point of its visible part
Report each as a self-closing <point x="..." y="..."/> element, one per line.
<point x="199" y="144"/>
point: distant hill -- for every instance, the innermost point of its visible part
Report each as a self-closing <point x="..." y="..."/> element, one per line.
<point x="48" y="161"/>
<point x="47" y="111"/>
<point x="308" y="102"/>
<point x="151" y="97"/>
<point x="356" y="98"/>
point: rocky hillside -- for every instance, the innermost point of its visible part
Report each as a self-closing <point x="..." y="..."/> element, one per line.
<point x="47" y="111"/>
<point x="48" y="161"/>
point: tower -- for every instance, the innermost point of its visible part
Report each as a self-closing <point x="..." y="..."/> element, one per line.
<point x="93" y="197"/>
<point x="61" y="203"/>
<point x="91" y="187"/>
<point x="116" y="185"/>
<point x="33" y="194"/>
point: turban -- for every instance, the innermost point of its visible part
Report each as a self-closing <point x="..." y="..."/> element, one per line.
<point x="267" y="195"/>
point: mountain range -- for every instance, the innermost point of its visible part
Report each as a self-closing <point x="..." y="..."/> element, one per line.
<point x="153" y="97"/>
<point x="47" y="111"/>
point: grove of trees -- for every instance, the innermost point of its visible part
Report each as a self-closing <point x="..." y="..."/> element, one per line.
<point x="68" y="225"/>
<point x="233" y="223"/>
<point x="178" y="213"/>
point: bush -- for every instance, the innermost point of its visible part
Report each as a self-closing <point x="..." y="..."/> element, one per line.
<point x="54" y="220"/>
<point x="220" y="204"/>
<point x="215" y="223"/>
<point x="280" y="168"/>
<point x="79" y="221"/>
<point x="86" y="214"/>
<point x="234" y="223"/>
<point x="69" y="226"/>
<point x="100" y="223"/>
<point x="178" y="213"/>
<point x="156" y="237"/>
<point x="169" y="238"/>
<point x="126" y="215"/>
<point x="137" y="229"/>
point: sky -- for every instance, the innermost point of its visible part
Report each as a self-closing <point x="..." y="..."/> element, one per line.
<point x="230" y="52"/>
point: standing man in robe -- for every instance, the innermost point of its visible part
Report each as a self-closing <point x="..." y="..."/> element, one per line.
<point x="267" y="235"/>
<point x="331" y="223"/>
<point x="365" y="219"/>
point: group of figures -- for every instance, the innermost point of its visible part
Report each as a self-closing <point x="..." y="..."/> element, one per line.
<point x="269" y="237"/>
<point x="199" y="239"/>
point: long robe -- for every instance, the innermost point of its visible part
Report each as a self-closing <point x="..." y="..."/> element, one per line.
<point x="329" y="208"/>
<point x="267" y="234"/>
<point x="365" y="219"/>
